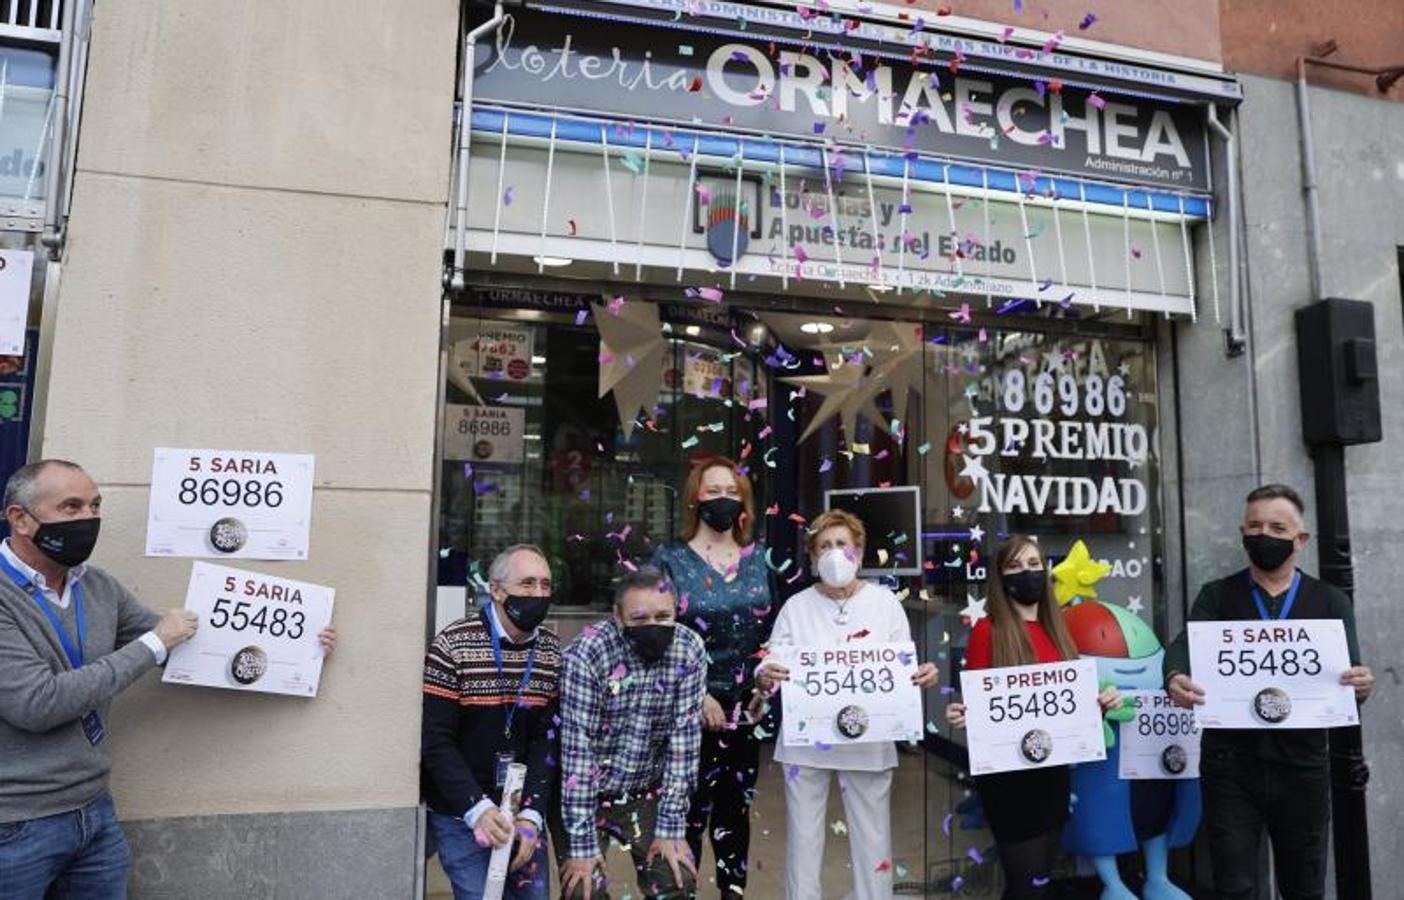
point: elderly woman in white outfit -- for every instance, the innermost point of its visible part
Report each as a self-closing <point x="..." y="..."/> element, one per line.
<point x="840" y="608"/>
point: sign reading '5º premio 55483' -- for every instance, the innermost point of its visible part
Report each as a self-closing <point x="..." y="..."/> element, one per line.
<point x="257" y="633"/>
<point x="854" y="693"/>
<point x="1272" y="674"/>
<point x="238" y="504"/>
<point x="1031" y="717"/>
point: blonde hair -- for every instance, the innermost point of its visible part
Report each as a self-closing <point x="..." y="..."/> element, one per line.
<point x="692" y="488"/>
<point x="833" y="518"/>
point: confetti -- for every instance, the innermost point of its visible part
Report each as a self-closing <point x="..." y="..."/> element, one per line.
<point x="696" y="85"/>
<point x="710" y="294"/>
<point x="1096" y="101"/>
<point x="570" y="226"/>
<point x="581" y="316"/>
<point x="1087" y="21"/>
<point x="507" y="196"/>
<point x="975" y="854"/>
<point x="633" y="161"/>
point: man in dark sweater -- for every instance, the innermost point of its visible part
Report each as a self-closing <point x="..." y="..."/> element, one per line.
<point x="1256" y="779"/>
<point x="71" y="639"/>
<point x="490" y="699"/>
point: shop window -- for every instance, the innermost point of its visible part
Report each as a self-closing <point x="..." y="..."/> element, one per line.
<point x="533" y="453"/>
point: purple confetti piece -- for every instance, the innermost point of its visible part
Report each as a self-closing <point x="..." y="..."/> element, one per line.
<point x="946" y="824"/>
<point x="507" y="196"/>
<point x="975" y="854"/>
<point x="1096" y="101"/>
<point x="1086" y="22"/>
<point x="1041" y="881"/>
<point x="581" y="316"/>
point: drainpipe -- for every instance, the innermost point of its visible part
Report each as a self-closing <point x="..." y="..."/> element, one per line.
<point x="54" y="236"/>
<point x="1236" y="339"/>
<point x="458" y="278"/>
<point x="1309" y="186"/>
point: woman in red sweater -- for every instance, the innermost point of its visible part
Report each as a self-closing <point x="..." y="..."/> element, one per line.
<point x="1026" y="809"/>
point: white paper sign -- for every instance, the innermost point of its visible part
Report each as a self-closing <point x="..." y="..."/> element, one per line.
<point x="16" y="274"/>
<point x="236" y="504"/>
<point x="257" y="632"/>
<point x="854" y="693"/>
<point x="497" y="350"/>
<point x="1032" y="717"/>
<point x="484" y="434"/>
<point x="1277" y="674"/>
<point x="1161" y="742"/>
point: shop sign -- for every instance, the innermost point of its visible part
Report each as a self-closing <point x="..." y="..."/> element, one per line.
<point x="237" y="504"/>
<point x="1059" y="416"/>
<point x="257" y="633"/>
<point x="822" y="19"/>
<point x="484" y="434"/>
<point x="496" y="351"/>
<point x="924" y="240"/>
<point x="846" y="96"/>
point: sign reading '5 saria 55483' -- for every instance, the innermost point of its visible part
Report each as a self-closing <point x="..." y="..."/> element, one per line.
<point x="847" y="95"/>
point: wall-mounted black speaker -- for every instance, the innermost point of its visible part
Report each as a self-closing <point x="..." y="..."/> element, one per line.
<point x="1339" y="374"/>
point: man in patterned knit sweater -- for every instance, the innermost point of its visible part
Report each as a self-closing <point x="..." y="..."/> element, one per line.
<point x="490" y="697"/>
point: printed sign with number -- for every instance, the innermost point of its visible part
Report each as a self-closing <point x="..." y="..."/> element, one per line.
<point x="16" y="274"/>
<point x="495" y="351"/>
<point x="852" y="693"/>
<point x="257" y="633"/>
<point x="484" y="434"/>
<point x="1161" y="742"/>
<point x="1277" y="674"/>
<point x="236" y="504"/>
<point x="1032" y="717"/>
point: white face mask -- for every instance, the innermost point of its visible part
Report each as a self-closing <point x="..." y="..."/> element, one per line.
<point x="837" y="569"/>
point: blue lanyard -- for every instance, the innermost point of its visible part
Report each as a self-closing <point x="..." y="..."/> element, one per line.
<point x="1286" y="604"/>
<point x="497" y="658"/>
<point x="74" y="653"/>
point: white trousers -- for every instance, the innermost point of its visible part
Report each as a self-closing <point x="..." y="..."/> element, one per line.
<point x="866" y="801"/>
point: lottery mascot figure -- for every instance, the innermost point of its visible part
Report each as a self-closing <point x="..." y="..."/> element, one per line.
<point x="1026" y="809"/>
<point x="1113" y="815"/>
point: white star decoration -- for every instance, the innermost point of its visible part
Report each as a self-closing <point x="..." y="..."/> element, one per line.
<point x="974" y="608"/>
<point x="974" y="469"/>
<point x="977" y="533"/>
<point x="957" y="512"/>
<point x="1133" y="604"/>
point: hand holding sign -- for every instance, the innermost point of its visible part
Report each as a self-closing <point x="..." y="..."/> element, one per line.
<point x="257" y="632"/>
<point x="1291" y="673"/>
<point x="1022" y="717"/>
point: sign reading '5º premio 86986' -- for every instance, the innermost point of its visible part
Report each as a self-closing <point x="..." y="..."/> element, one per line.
<point x="238" y="504"/>
<point x="257" y="632"/>
<point x="1031" y="717"/>
<point x="1272" y="674"/>
<point x="1162" y="741"/>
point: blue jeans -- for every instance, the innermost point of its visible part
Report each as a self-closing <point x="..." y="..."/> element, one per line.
<point x="78" y="855"/>
<point x="466" y="864"/>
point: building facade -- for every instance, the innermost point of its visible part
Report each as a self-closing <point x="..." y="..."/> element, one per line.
<point x="1038" y="267"/>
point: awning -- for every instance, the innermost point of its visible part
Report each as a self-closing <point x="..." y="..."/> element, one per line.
<point x="657" y="202"/>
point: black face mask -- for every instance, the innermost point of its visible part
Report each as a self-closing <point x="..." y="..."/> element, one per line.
<point x="526" y="612"/>
<point x="1268" y="552"/>
<point x="67" y="542"/>
<point x="720" y="513"/>
<point x="1028" y="587"/>
<point x="650" y="642"/>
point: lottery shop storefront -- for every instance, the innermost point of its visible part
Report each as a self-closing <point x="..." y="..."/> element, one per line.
<point x="851" y="256"/>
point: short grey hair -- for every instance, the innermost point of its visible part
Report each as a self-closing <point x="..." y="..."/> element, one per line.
<point x="497" y="571"/>
<point x="644" y="578"/>
<point x="22" y="489"/>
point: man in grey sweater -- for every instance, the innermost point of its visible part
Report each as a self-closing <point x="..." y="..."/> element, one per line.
<point x="71" y="639"/>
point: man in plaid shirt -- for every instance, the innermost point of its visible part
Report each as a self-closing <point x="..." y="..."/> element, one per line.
<point x="631" y="702"/>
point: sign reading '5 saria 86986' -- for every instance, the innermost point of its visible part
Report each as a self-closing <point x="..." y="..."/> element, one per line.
<point x="553" y="62"/>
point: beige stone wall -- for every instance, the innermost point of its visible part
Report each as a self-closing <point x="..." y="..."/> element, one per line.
<point x="254" y="263"/>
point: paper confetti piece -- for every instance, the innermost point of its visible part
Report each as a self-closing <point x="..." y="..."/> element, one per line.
<point x="1096" y="101"/>
<point x="1087" y="21"/>
<point x="633" y="161"/>
<point x="710" y="294"/>
<point x="975" y="854"/>
<point x="507" y="196"/>
<point x="946" y="824"/>
<point x="581" y="316"/>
